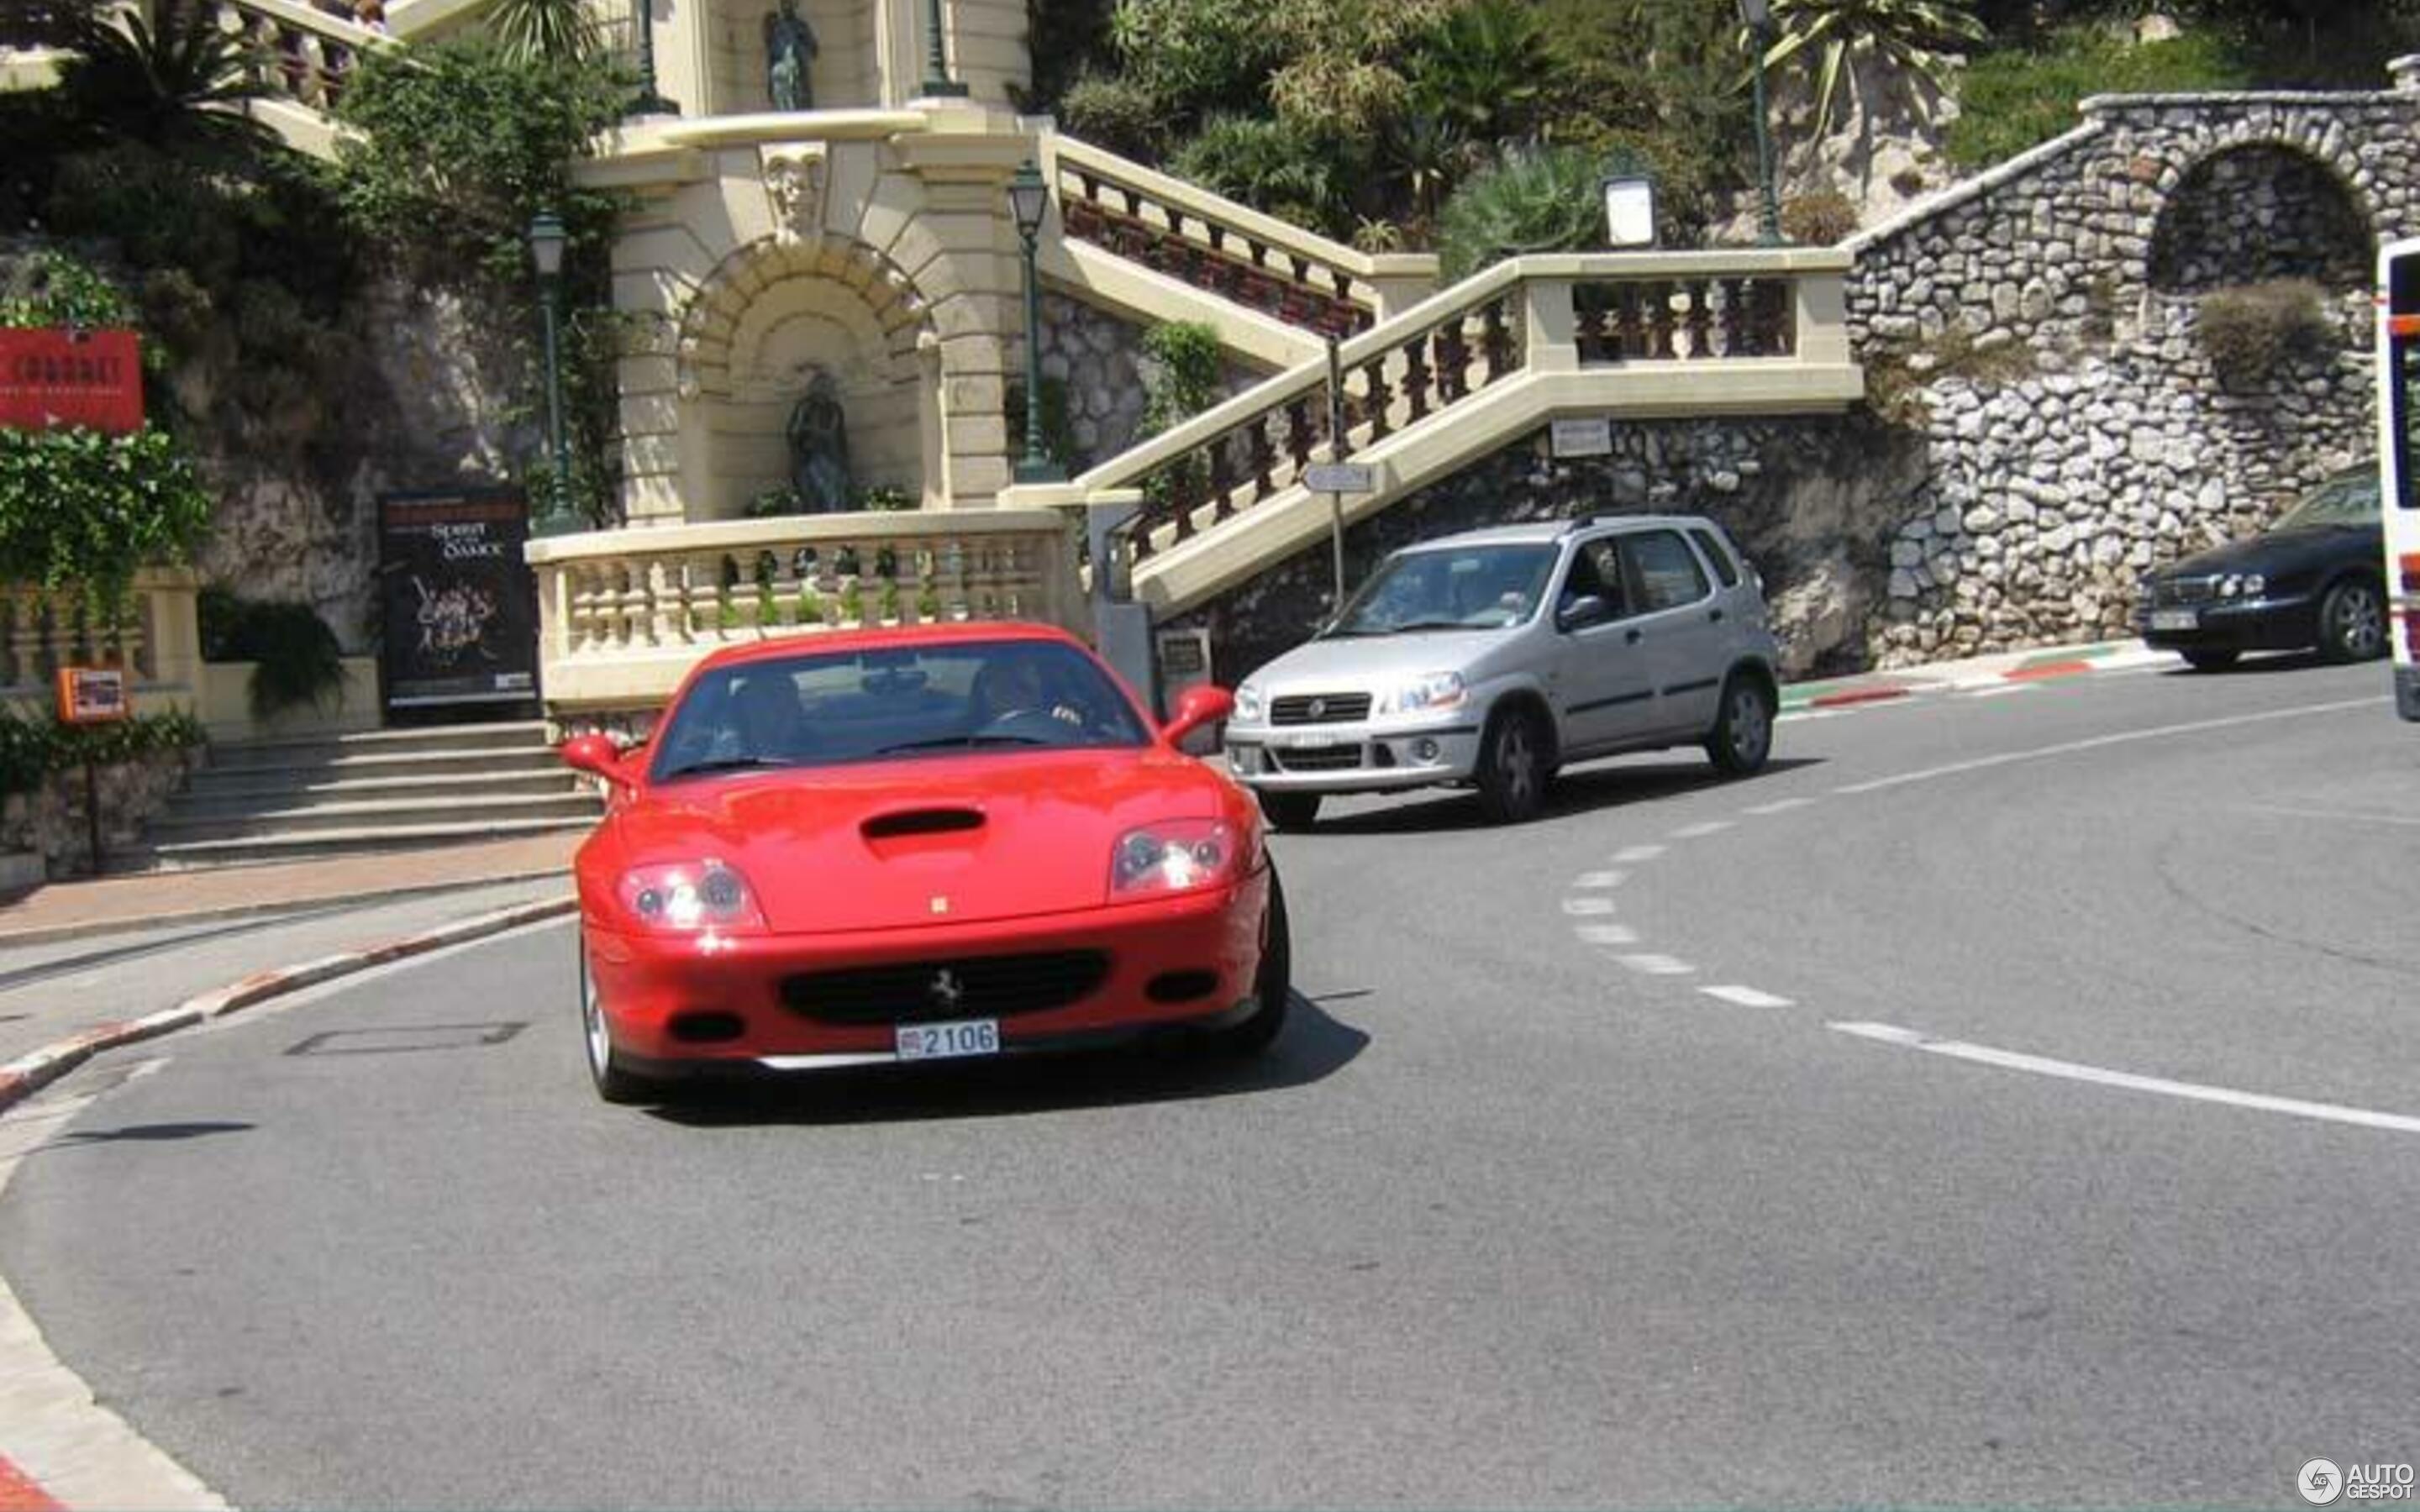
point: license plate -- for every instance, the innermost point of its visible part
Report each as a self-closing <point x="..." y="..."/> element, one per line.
<point x="2175" y="619"/>
<point x="1307" y="742"/>
<point x="947" y="1042"/>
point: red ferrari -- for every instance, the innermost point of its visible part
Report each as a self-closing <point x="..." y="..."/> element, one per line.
<point x="916" y="844"/>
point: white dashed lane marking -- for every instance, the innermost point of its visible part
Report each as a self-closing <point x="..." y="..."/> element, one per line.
<point x="2071" y="1071"/>
<point x="1656" y="966"/>
<point x="1598" y="879"/>
<point x="1778" y="806"/>
<point x="1607" y="934"/>
<point x="1582" y="908"/>
<point x="1638" y="852"/>
<point x="1748" y="997"/>
<point x="1711" y="826"/>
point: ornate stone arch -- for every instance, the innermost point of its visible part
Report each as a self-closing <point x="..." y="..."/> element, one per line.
<point x="730" y="316"/>
<point x="2251" y="201"/>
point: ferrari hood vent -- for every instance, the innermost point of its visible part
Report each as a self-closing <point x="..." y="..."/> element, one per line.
<point x="921" y="822"/>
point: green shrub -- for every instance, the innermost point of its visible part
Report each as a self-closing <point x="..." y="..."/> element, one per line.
<point x="295" y="656"/>
<point x="81" y="508"/>
<point x="31" y="749"/>
<point x="1180" y="380"/>
<point x="2020" y="97"/>
<point x="1533" y="199"/>
<point x="2252" y="332"/>
<point x="1818" y="218"/>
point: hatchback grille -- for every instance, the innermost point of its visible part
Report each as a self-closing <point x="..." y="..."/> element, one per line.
<point x="1319" y="708"/>
<point x="1332" y="758"/>
<point x="2183" y="590"/>
<point x="967" y="987"/>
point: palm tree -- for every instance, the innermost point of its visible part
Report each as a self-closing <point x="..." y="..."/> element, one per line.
<point x="555" y="31"/>
<point x="1913" y="38"/>
<point x="176" y="82"/>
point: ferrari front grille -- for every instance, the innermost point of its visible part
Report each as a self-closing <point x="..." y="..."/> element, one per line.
<point x="965" y="987"/>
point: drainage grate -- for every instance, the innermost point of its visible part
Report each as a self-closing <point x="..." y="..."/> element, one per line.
<point x="401" y="1041"/>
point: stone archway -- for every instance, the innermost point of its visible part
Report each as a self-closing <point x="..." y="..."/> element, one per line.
<point x="2260" y="210"/>
<point x="776" y="314"/>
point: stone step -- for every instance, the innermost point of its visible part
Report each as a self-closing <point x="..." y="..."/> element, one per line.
<point x="382" y="744"/>
<point x="380" y="764"/>
<point x="357" y="816"/>
<point x="267" y="788"/>
<point x="190" y="855"/>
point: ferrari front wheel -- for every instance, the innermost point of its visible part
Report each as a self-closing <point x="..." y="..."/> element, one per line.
<point x="1272" y="987"/>
<point x="614" y="1083"/>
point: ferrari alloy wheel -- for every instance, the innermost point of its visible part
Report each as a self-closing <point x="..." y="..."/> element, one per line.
<point x="1742" y="737"/>
<point x="1273" y="988"/>
<point x="1513" y="770"/>
<point x="2352" y="622"/>
<point x="614" y="1083"/>
<point x="1289" y="811"/>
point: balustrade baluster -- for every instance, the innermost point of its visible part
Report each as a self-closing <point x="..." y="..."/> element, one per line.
<point x="1381" y="398"/>
<point x="1299" y="436"/>
<point x="1222" y="481"/>
<point x="1134" y="201"/>
<point x="828" y="586"/>
<point x="1453" y="361"/>
<point x="1417" y="376"/>
<point x="1264" y="457"/>
<point x="1723" y="305"/>
<point x="315" y="77"/>
<point x="1588" y="301"/>
<point x="1694" y="321"/>
<point x="1496" y="340"/>
<point x="1183" y="483"/>
<point x="1659" y="319"/>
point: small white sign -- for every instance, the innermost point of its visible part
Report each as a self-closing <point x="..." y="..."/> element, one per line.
<point x="1583" y="438"/>
<point x="1341" y="477"/>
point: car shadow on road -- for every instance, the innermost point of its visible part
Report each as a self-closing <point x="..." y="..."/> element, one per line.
<point x="1314" y="1046"/>
<point x="2255" y="663"/>
<point x="1581" y="790"/>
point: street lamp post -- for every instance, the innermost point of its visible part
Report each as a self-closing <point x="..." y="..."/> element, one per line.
<point x="647" y="101"/>
<point x="547" y="239"/>
<point x="938" y="83"/>
<point x="1029" y="197"/>
<point x="1756" y="15"/>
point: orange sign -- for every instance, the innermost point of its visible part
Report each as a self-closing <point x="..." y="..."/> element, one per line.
<point x="71" y="377"/>
<point x="92" y="695"/>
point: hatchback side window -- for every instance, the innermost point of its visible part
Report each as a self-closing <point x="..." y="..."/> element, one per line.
<point x="1725" y="567"/>
<point x="1595" y="570"/>
<point x="1664" y="571"/>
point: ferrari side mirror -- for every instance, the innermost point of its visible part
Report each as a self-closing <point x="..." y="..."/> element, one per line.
<point x="1198" y="706"/>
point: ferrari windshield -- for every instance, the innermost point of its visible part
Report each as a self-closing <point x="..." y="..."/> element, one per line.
<point x="1460" y="588"/>
<point x="2346" y="499"/>
<point x="889" y="702"/>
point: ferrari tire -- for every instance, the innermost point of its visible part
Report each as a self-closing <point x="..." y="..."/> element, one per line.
<point x="2352" y="622"/>
<point x="1513" y="767"/>
<point x="2212" y="661"/>
<point x="1289" y="811"/>
<point x="614" y="1082"/>
<point x="1272" y="989"/>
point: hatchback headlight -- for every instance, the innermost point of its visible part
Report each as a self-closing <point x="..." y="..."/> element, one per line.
<point x="1431" y="690"/>
<point x="1248" y="703"/>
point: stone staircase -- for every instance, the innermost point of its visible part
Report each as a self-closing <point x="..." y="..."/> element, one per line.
<point x="385" y="790"/>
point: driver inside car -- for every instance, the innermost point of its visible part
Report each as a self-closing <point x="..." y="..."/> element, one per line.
<point x="1014" y="685"/>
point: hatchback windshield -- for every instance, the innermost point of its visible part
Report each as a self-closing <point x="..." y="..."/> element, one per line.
<point x="2348" y="498"/>
<point x="897" y="702"/>
<point x="1471" y="587"/>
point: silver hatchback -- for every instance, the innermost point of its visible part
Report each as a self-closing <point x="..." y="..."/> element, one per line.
<point x="1493" y="657"/>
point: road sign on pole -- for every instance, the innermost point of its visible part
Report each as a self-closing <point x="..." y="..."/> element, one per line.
<point x="1341" y="477"/>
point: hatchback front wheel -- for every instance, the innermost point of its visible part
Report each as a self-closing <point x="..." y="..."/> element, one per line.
<point x="1743" y="735"/>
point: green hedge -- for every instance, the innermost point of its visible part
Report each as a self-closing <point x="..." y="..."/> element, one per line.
<point x="2008" y="101"/>
<point x="32" y="749"/>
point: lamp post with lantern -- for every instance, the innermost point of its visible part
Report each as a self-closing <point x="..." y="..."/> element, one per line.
<point x="1757" y="16"/>
<point x="547" y="242"/>
<point x="1028" y="199"/>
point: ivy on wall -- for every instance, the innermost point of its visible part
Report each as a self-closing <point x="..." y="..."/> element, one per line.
<point x="31" y="751"/>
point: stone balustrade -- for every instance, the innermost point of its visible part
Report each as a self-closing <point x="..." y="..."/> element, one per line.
<point x="1748" y="331"/>
<point x="1224" y="248"/>
<point x="623" y="614"/>
<point x="302" y="53"/>
<point x="154" y="635"/>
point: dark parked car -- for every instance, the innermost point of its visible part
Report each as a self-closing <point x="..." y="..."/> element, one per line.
<point x="2317" y="578"/>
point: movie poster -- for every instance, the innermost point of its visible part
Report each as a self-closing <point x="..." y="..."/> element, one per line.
<point x="459" y="604"/>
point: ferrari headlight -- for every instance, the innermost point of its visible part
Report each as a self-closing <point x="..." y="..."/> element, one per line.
<point x="1248" y="703"/>
<point x="689" y="896"/>
<point x="1176" y="855"/>
<point x="1429" y="690"/>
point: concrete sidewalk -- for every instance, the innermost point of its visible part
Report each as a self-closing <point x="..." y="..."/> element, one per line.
<point x="71" y="908"/>
<point x="1997" y="670"/>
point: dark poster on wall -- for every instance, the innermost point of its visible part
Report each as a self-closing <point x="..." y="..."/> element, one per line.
<point x="458" y="605"/>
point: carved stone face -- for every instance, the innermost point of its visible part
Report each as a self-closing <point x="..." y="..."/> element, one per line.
<point x="794" y="189"/>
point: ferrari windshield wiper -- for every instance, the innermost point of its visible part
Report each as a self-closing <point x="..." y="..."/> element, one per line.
<point x="726" y="764"/>
<point x="940" y="742"/>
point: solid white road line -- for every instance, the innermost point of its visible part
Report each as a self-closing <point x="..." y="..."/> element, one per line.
<point x="1637" y="853"/>
<point x="1656" y="966"/>
<point x="1777" y="806"/>
<point x="1580" y="907"/>
<point x="1599" y="879"/>
<point x="1999" y="690"/>
<point x="1748" y="997"/>
<point x="1606" y="934"/>
<point x="1807" y="713"/>
<point x="2328" y="813"/>
<point x="2097" y="741"/>
<point x="1699" y="831"/>
<point x="2071" y="1071"/>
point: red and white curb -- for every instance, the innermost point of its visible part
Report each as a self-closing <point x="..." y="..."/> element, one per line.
<point x="2037" y="667"/>
<point x="26" y="1074"/>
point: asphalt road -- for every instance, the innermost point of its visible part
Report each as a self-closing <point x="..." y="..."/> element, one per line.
<point x="1519" y="1215"/>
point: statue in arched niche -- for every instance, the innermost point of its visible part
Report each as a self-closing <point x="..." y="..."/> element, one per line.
<point x="818" y="434"/>
<point x="789" y="48"/>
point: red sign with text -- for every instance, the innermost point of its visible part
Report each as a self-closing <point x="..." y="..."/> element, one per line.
<point x="51" y="378"/>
